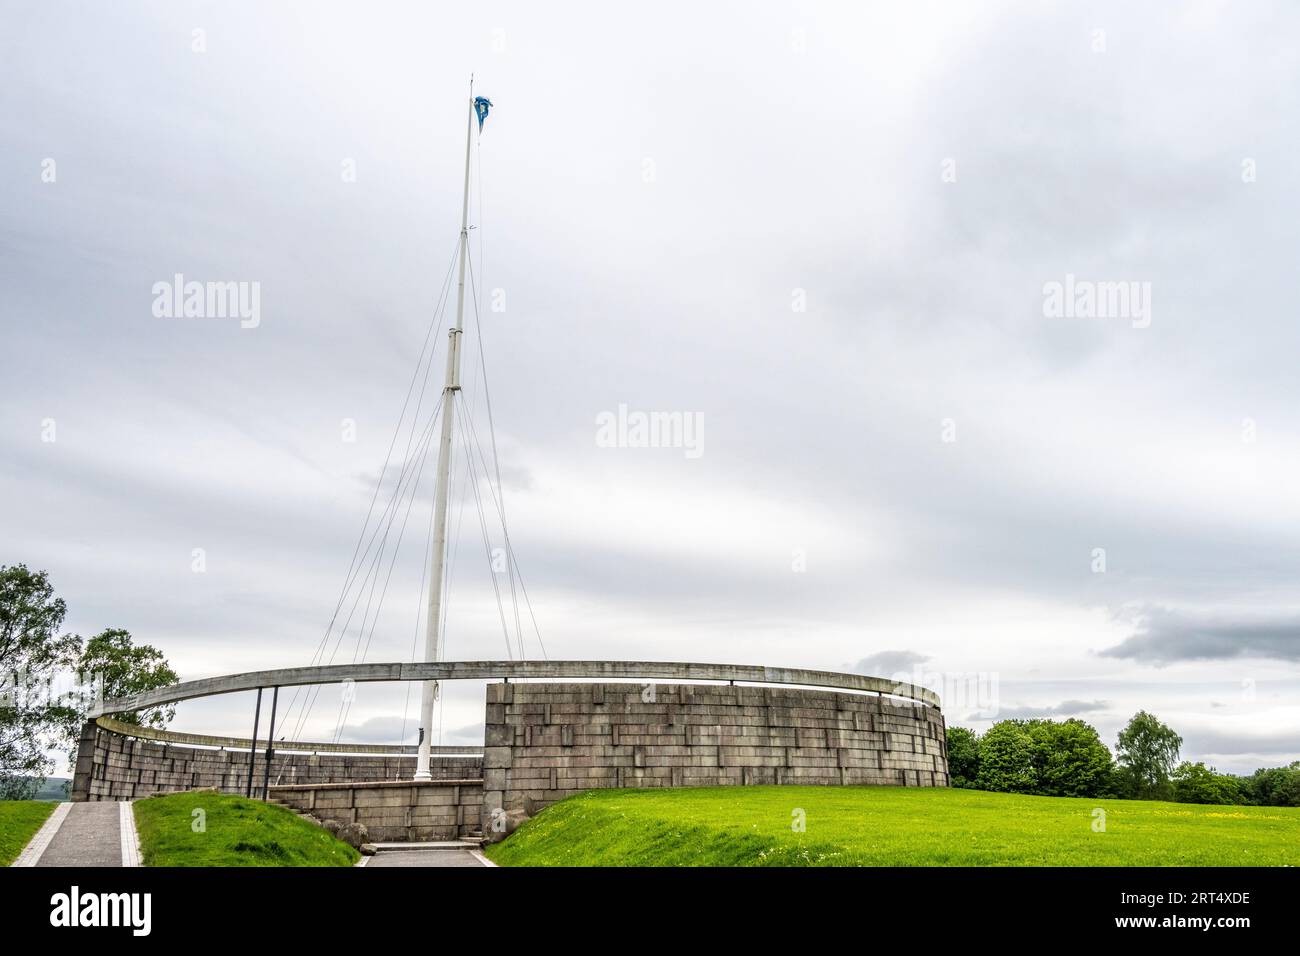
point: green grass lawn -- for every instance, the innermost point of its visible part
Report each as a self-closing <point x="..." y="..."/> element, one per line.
<point x="236" y="832"/>
<point x="892" y="826"/>
<point x="19" y="821"/>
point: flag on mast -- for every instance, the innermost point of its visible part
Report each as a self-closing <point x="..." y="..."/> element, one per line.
<point x="481" y="106"/>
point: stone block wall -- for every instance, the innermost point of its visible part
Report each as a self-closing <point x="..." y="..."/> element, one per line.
<point x="394" y="811"/>
<point x="544" y="742"/>
<point x="115" y="767"/>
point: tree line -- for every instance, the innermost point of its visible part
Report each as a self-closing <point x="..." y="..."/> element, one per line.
<point x="35" y="715"/>
<point x="1068" y="759"/>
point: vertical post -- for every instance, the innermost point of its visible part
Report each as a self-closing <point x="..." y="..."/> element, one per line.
<point x="270" y="746"/>
<point x="252" y="747"/>
<point x="433" y="623"/>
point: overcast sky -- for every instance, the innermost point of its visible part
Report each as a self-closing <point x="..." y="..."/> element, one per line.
<point x="824" y="233"/>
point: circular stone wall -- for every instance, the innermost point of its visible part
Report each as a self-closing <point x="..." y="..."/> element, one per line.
<point x="544" y="742"/>
<point x="117" y="761"/>
<point x="548" y="736"/>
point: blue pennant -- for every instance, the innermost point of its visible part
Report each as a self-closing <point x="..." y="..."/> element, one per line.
<point x="481" y="106"/>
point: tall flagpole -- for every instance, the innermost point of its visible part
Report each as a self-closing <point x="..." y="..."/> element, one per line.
<point x="433" y="624"/>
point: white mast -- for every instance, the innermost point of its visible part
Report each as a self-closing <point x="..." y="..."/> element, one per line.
<point x="433" y="625"/>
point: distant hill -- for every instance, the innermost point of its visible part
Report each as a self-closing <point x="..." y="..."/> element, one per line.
<point x="54" y="788"/>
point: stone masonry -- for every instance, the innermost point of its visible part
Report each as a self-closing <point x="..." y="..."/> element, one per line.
<point x="112" y="766"/>
<point x="394" y="811"/>
<point x="544" y="742"/>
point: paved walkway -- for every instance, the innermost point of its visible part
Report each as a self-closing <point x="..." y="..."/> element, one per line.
<point x="85" y="835"/>
<point x="102" y="834"/>
<point x="447" y="857"/>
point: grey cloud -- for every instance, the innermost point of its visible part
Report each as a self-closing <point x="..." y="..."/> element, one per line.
<point x="924" y="302"/>
<point x="886" y="663"/>
<point x="379" y="730"/>
<point x="464" y="736"/>
<point x="1246" y="748"/>
<point x="1066" y="708"/>
<point x="392" y="729"/>
<point x="1165" y="636"/>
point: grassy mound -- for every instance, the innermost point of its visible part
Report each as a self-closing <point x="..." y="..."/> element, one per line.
<point x="219" y="829"/>
<point x="893" y="826"/>
<point x="19" y="821"/>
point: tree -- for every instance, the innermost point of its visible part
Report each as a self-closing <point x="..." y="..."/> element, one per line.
<point x="1148" y="751"/>
<point x="1060" y="759"/>
<point x="32" y="653"/>
<point x="1274" y="786"/>
<point x="963" y="756"/>
<point x="1007" y="758"/>
<point x="1197" y="783"/>
<point x="113" y="666"/>
<point x="116" y="667"/>
<point x="1070" y="759"/>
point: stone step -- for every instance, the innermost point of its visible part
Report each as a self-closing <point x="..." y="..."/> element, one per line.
<point x="432" y="845"/>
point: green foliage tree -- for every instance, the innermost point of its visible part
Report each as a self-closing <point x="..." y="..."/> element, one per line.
<point x="1274" y="786"/>
<point x="115" y="666"/>
<point x="32" y="654"/>
<point x="963" y="757"/>
<point x="1070" y="759"/>
<point x="112" y="665"/>
<point x="1007" y="758"/>
<point x="1045" y="757"/>
<point x="1148" y="751"/>
<point x="1197" y="783"/>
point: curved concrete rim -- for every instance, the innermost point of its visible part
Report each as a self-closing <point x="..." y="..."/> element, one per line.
<point x="281" y="746"/>
<point x="667" y="671"/>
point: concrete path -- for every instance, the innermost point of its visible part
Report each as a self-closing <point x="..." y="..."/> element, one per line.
<point x="41" y="839"/>
<point x="103" y="834"/>
<point x="439" y="857"/>
<point x="85" y="835"/>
